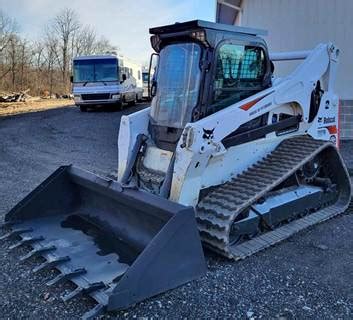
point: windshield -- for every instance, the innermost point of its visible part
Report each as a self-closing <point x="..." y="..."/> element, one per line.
<point x="94" y="70"/>
<point x="178" y="79"/>
<point x="145" y="76"/>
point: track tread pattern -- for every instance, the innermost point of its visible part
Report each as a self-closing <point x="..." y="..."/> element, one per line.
<point x="217" y="211"/>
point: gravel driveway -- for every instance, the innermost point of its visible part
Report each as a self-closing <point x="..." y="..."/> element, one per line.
<point x="308" y="276"/>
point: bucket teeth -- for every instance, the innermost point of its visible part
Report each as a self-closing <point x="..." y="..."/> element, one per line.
<point x="15" y="232"/>
<point x="36" y="252"/>
<point x="66" y="276"/>
<point x="98" y="310"/>
<point x="26" y="240"/>
<point x="51" y="264"/>
<point x="81" y="290"/>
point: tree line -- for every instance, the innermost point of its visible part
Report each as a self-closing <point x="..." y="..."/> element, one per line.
<point x="44" y="65"/>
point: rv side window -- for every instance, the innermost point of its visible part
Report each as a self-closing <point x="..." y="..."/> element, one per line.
<point x="125" y="71"/>
<point x="240" y="72"/>
<point x="139" y="74"/>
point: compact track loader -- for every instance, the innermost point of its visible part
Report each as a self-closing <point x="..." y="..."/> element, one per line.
<point x="226" y="150"/>
<point x="255" y="155"/>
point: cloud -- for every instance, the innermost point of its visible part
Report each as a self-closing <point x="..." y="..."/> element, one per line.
<point x="124" y="22"/>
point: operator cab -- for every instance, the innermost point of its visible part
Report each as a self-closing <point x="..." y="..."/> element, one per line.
<point x="203" y="67"/>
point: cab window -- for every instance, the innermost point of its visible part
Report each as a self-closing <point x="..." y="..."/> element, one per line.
<point x="240" y="72"/>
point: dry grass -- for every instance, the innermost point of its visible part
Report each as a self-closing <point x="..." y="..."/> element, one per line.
<point x="33" y="105"/>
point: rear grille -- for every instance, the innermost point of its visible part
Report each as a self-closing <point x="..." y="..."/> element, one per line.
<point x="96" y="96"/>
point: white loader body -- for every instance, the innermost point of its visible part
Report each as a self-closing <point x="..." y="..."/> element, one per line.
<point x="202" y="161"/>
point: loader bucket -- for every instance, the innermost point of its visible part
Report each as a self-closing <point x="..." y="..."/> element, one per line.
<point x="118" y="245"/>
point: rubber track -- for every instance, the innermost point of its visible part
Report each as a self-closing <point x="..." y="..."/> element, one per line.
<point x="217" y="211"/>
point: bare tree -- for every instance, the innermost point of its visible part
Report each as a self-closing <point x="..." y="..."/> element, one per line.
<point x="52" y="59"/>
<point x="25" y="62"/>
<point x="38" y="55"/>
<point x="13" y="58"/>
<point x="65" y="25"/>
<point x="85" y="42"/>
<point x="37" y="63"/>
<point x="43" y="66"/>
<point x="103" y="45"/>
<point x="8" y="27"/>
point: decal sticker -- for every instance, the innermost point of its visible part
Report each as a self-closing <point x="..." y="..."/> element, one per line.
<point x="208" y="134"/>
<point x="250" y="104"/>
<point x="333" y="139"/>
<point x="331" y="129"/>
<point x="329" y="120"/>
<point x="260" y="109"/>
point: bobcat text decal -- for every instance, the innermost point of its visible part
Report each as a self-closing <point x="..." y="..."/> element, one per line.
<point x="250" y="104"/>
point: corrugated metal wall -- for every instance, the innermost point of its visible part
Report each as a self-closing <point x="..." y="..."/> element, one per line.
<point x="300" y="25"/>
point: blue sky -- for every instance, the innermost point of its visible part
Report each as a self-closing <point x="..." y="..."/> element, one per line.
<point x="124" y="22"/>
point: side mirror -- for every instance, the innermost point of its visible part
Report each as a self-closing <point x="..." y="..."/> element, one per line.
<point x="153" y="91"/>
<point x="272" y="66"/>
<point x="123" y="77"/>
<point x="71" y="79"/>
<point x="152" y="83"/>
<point x="267" y="81"/>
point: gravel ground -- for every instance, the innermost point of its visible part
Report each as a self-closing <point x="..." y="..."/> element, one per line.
<point x="32" y="104"/>
<point x="308" y="276"/>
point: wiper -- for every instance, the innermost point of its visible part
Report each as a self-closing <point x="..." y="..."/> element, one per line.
<point x="94" y="81"/>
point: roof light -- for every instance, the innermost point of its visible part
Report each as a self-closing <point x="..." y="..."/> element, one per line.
<point x="155" y="42"/>
<point x="200" y="35"/>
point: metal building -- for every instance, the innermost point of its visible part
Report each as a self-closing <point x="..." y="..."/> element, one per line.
<point x="300" y="25"/>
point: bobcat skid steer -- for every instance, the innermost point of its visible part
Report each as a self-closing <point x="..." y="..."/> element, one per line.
<point x="256" y="156"/>
<point x="225" y="151"/>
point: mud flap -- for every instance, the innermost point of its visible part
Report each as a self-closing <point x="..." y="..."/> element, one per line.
<point x="118" y="245"/>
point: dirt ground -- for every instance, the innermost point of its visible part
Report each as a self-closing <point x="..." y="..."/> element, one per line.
<point x="309" y="276"/>
<point x="32" y="105"/>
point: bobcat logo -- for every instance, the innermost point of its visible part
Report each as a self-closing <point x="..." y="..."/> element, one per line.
<point x="208" y="134"/>
<point x="329" y="119"/>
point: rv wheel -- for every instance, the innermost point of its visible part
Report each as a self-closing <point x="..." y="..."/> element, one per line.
<point x="132" y="102"/>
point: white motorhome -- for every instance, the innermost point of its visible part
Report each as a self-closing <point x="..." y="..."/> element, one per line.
<point x="106" y="79"/>
<point x="145" y="76"/>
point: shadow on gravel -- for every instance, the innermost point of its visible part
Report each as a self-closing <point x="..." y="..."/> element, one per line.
<point x="63" y="109"/>
<point x="54" y="110"/>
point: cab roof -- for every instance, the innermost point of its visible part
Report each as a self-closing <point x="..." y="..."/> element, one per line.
<point x="194" y="24"/>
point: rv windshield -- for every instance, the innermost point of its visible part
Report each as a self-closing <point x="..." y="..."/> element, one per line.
<point x="95" y="70"/>
<point x="178" y="81"/>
